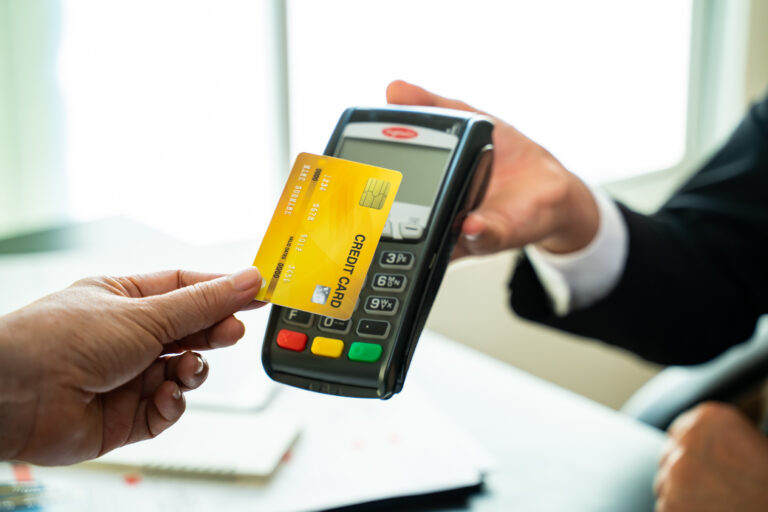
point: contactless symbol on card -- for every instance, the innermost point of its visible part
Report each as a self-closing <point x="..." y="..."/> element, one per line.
<point x="320" y="296"/>
<point x="323" y="234"/>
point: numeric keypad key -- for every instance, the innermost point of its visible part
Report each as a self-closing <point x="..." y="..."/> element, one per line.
<point x="377" y="305"/>
<point x="328" y="324"/>
<point x="297" y="317"/>
<point x="368" y="328"/>
<point x="396" y="259"/>
<point x="388" y="282"/>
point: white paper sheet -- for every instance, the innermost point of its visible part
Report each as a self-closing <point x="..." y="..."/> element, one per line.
<point x="350" y="451"/>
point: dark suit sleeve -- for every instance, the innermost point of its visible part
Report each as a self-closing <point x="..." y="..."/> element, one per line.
<point x="696" y="276"/>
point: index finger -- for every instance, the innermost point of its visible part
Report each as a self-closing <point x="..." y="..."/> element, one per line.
<point x="401" y="92"/>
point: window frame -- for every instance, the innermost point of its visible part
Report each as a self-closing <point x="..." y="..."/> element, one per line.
<point x="718" y="68"/>
<point x="716" y="100"/>
<point x="718" y="49"/>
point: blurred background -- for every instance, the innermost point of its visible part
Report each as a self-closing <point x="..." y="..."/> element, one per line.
<point x="186" y="115"/>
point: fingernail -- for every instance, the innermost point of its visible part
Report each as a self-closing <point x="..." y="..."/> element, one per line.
<point x="177" y="393"/>
<point x="475" y="224"/>
<point x="245" y="279"/>
<point x="222" y="343"/>
<point x="200" y="365"/>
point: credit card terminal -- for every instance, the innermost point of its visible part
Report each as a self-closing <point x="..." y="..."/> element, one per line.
<point x="445" y="158"/>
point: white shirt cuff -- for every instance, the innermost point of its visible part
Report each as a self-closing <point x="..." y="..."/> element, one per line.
<point x="579" y="279"/>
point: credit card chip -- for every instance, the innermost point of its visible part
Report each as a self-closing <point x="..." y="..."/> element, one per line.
<point x="375" y="193"/>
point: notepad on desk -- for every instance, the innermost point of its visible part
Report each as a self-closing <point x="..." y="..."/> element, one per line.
<point x="349" y="453"/>
<point x="213" y="442"/>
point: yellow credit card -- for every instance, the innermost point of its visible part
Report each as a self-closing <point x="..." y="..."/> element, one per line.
<point x="323" y="234"/>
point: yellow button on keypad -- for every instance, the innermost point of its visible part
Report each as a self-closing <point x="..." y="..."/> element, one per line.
<point x="327" y="347"/>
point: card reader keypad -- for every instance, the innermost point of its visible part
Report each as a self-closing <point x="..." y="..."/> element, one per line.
<point x="296" y="317"/>
<point x="291" y="340"/>
<point x="363" y="338"/>
<point x="396" y="259"/>
<point x="411" y="231"/>
<point x="402" y="230"/>
<point x="365" y="352"/>
<point x="327" y="347"/>
<point x="378" y="305"/>
<point x="328" y="324"/>
<point x="389" y="282"/>
<point x="369" y="328"/>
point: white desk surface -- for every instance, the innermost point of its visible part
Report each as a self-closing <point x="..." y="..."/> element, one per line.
<point x="554" y="450"/>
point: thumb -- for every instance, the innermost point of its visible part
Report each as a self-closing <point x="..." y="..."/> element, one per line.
<point x="196" y="307"/>
<point x="483" y="233"/>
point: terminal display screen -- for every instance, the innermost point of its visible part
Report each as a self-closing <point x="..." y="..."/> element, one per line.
<point x="423" y="167"/>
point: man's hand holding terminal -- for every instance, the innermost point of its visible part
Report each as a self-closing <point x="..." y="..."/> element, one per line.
<point x="531" y="198"/>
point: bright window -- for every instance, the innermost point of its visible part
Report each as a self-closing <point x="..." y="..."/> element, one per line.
<point x="602" y="84"/>
<point x="168" y="115"/>
<point x="170" y="105"/>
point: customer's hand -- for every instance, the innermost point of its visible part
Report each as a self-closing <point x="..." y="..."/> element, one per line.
<point x="531" y="198"/>
<point x="716" y="460"/>
<point x="86" y="370"/>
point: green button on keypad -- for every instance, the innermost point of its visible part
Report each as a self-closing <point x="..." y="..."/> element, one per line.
<point x="365" y="352"/>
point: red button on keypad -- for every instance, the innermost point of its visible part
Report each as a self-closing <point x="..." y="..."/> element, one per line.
<point x="291" y="340"/>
